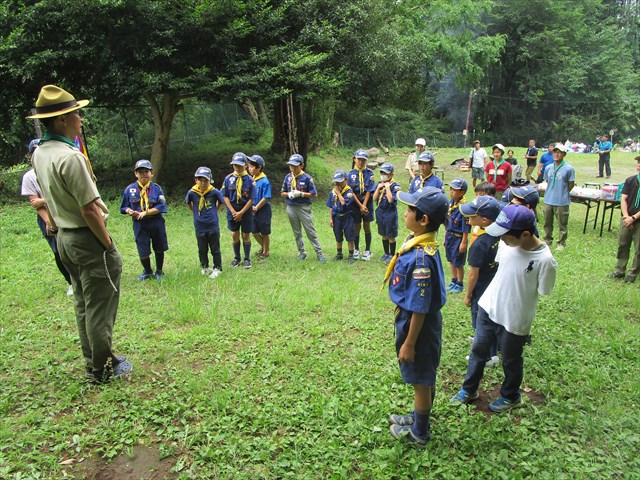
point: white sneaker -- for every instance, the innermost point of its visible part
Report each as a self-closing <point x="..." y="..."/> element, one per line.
<point x="495" y="360"/>
<point x="70" y="291"/>
<point x="206" y="271"/>
<point x="215" y="273"/>
<point x="356" y="254"/>
<point x="366" y="256"/>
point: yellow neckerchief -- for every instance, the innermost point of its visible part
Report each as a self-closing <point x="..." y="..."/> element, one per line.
<point x="424" y="179"/>
<point x="453" y="207"/>
<point x="260" y="175"/>
<point x="361" y="179"/>
<point x="476" y="232"/>
<point x="345" y="189"/>
<point x="144" y="199"/>
<point x="293" y="179"/>
<point x="384" y="192"/>
<point x="427" y="241"/>
<point x="202" y="193"/>
<point x="239" y="183"/>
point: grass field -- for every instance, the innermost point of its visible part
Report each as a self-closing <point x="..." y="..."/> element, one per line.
<point x="288" y="370"/>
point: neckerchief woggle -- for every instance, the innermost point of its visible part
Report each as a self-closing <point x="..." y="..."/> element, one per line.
<point x="427" y="241"/>
<point x="424" y="179"/>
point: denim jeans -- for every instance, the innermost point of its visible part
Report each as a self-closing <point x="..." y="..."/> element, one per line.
<point x="488" y="333"/>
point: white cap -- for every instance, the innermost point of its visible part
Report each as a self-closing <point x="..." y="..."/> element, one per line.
<point x="421" y="141"/>
<point x="499" y="146"/>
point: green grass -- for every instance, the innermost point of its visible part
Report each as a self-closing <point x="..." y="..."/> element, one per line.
<point x="288" y="370"/>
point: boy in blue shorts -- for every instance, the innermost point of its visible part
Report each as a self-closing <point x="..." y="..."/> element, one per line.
<point x="144" y="201"/>
<point x="456" y="237"/>
<point x="386" y="196"/>
<point x="416" y="286"/>
<point x="363" y="184"/>
<point x="526" y="268"/>
<point x="203" y="200"/>
<point x="238" y="191"/>
<point x="261" y="206"/>
<point x="341" y="202"/>
<point x="426" y="160"/>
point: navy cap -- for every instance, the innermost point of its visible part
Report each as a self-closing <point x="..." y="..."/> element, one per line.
<point x="386" y="167"/>
<point x="512" y="217"/>
<point x="143" y="164"/>
<point x="426" y="156"/>
<point x="33" y="144"/>
<point x="296" y="159"/>
<point x="339" y="176"/>
<point x="257" y="160"/>
<point x="459" y="184"/>
<point x="528" y="194"/>
<point x="361" y="154"/>
<point x="239" y="158"/>
<point x="429" y="200"/>
<point x="203" y="172"/>
<point x="483" y="206"/>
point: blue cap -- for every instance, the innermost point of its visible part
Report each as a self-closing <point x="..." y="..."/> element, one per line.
<point x="512" y="217"/>
<point x="257" y="160"/>
<point x="430" y="201"/>
<point x="33" y="144"/>
<point x="143" y="164"/>
<point x="203" y="172"/>
<point x="339" y="176"/>
<point x="386" y="167"/>
<point x="459" y="184"/>
<point x="426" y="156"/>
<point x="361" y="154"/>
<point x="483" y="206"/>
<point x="528" y="194"/>
<point x="296" y="159"/>
<point x="239" y="158"/>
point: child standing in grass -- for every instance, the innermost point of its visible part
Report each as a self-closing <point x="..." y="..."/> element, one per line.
<point x="261" y="206"/>
<point x="362" y="182"/>
<point x="144" y="201"/>
<point x="457" y="235"/>
<point x="386" y="196"/>
<point x="238" y="191"/>
<point x="416" y="286"/>
<point x="526" y="268"/>
<point x="203" y="200"/>
<point x="341" y="203"/>
<point x="426" y="161"/>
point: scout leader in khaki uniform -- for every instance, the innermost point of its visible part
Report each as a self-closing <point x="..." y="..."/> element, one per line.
<point x="78" y="214"/>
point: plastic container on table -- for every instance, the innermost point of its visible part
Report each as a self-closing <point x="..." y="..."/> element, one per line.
<point x="609" y="192"/>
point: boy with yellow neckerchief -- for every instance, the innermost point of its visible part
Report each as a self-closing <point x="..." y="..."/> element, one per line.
<point x="456" y="237"/>
<point x="261" y="206"/>
<point x="416" y="286"/>
<point x="203" y="200"/>
<point x="341" y="204"/>
<point x="144" y="201"/>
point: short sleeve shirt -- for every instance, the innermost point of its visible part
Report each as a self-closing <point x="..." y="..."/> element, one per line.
<point x="630" y="188"/>
<point x="482" y="255"/>
<point x="247" y="192"/>
<point x="131" y="198"/>
<point x="503" y="172"/>
<point x="304" y="183"/>
<point x="478" y="157"/>
<point x="557" y="193"/>
<point x="30" y="185"/>
<point x="206" y="220"/>
<point x="369" y="182"/>
<point x="431" y="181"/>
<point x="383" y="201"/>
<point x="263" y="190"/>
<point x="333" y="202"/>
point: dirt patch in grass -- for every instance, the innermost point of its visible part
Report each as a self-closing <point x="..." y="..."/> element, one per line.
<point x="144" y="464"/>
<point x="482" y="404"/>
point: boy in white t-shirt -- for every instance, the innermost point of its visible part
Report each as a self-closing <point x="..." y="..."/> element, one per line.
<point x="526" y="268"/>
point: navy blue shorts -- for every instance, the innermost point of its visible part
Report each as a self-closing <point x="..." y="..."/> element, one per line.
<point x="245" y="224"/>
<point x="343" y="228"/>
<point x="262" y="221"/>
<point x="359" y="217"/>
<point x="454" y="257"/>
<point x="422" y="371"/>
<point x="387" y="221"/>
<point x="150" y="232"/>
<point x="51" y="240"/>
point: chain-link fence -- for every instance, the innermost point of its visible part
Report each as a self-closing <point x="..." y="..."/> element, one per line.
<point x="375" y="137"/>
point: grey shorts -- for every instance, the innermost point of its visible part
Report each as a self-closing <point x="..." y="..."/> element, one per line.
<point x="477" y="172"/>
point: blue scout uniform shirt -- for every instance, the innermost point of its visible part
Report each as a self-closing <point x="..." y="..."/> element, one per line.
<point x="383" y="201"/>
<point x="337" y="209"/>
<point x="131" y="199"/>
<point x="304" y="183"/>
<point x="482" y="255"/>
<point x="369" y="182"/>
<point x="456" y="223"/>
<point x="557" y="193"/>
<point x="417" y="282"/>
<point x="263" y="190"/>
<point x="229" y="189"/>
<point x="207" y="220"/>
<point x="432" y="181"/>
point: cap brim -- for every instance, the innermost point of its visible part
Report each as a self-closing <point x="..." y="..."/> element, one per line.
<point x="81" y="104"/>
<point x="237" y="162"/>
<point x="467" y="214"/>
<point x="496" y="230"/>
<point x="407" y="198"/>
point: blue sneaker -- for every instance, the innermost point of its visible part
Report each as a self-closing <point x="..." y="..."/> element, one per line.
<point x="145" y="276"/>
<point x="504" y="404"/>
<point x="457" y="288"/>
<point x="451" y="285"/>
<point x="464" y="398"/>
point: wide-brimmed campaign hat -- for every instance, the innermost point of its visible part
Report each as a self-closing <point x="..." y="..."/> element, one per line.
<point x="54" y="101"/>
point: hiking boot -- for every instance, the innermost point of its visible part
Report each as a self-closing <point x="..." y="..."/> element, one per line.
<point x="406" y="433"/>
<point x="504" y="404"/>
<point x="464" y="398"/>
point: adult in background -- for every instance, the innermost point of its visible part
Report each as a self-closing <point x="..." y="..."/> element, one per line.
<point x="478" y="158"/>
<point x="532" y="157"/>
<point x="31" y="189"/>
<point x="412" y="161"/>
<point x="85" y="246"/>
<point x="604" y="154"/>
<point x="560" y="177"/>
<point x="629" y="228"/>
<point x="545" y="159"/>
<point x="498" y="171"/>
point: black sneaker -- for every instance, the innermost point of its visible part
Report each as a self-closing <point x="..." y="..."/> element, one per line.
<point x="236" y="262"/>
<point x="629" y="279"/>
<point x="339" y="256"/>
<point x="616" y="275"/>
<point x="247" y="264"/>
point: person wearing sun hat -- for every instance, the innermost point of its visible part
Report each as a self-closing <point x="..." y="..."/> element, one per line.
<point x="412" y="160"/>
<point x="498" y="171"/>
<point x="560" y="177"/>
<point x="85" y="245"/>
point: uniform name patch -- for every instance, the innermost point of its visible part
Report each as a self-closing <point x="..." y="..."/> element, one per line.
<point x="421" y="273"/>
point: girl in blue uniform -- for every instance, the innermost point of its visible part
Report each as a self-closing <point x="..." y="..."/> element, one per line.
<point x="385" y="196"/>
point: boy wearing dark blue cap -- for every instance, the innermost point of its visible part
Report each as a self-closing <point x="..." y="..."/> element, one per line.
<point x="426" y="160"/>
<point x="203" y="200"/>
<point x="363" y="184"/>
<point x="261" y="206"/>
<point x="457" y="235"/>
<point x="341" y="202"/>
<point x="238" y="191"/>
<point x="386" y="196"/>
<point x="144" y="201"/>
<point x="526" y="268"/>
<point x="416" y="286"/>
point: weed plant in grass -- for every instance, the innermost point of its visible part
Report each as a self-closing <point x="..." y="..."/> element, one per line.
<point x="288" y="370"/>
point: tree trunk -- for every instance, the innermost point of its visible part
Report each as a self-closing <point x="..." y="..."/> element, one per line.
<point x="248" y="106"/>
<point x="262" y="112"/>
<point x="162" y="123"/>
